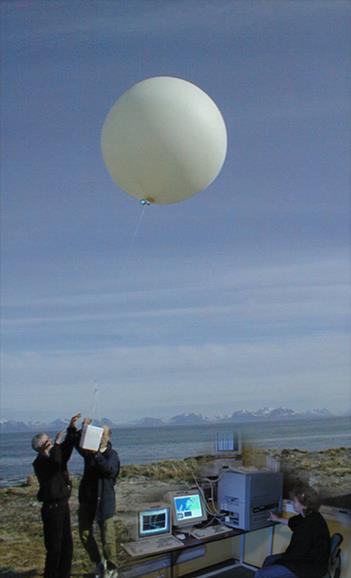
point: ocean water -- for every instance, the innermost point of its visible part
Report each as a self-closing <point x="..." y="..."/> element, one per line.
<point x="145" y="445"/>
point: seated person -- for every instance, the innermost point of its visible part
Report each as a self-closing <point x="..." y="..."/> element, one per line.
<point x="308" y="552"/>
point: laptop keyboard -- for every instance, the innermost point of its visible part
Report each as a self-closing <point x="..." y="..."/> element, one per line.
<point x="209" y="531"/>
<point x="152" y="545"/>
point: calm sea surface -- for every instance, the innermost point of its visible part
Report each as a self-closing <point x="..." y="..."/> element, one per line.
<point x="144" y="445"/>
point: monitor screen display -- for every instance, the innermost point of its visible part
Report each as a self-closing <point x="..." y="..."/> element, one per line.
<point x="154" y="522"/>
<point x="188" y="509"/>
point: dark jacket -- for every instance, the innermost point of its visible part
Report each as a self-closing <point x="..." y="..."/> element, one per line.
<point x="97" y="485"/>
<point x="308" y="552"/>
<point x="52" y="473"/>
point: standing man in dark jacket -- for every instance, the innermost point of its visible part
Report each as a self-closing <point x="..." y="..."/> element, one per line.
<point x="50" y="467"/>
<point x="97" y="501"/>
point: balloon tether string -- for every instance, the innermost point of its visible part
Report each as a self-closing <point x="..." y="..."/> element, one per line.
<point x="144" y="203"/>
<point x="96" y="413"/>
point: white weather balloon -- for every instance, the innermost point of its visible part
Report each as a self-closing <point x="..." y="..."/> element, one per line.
<point x="164" y="140"/>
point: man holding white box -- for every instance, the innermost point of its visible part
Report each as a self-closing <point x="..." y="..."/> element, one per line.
<point x="97" y="499"/>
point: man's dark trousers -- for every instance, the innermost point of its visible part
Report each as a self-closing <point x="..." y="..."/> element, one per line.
<point x="57" y="539"/>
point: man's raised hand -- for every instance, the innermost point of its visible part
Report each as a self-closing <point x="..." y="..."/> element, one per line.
<point x="74" y="420"/>
<point x="60" y="436"/>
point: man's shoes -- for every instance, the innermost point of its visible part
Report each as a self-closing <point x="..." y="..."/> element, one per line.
<point x="111" y="574"/>
<point x="111" y="570"/>
<point x="99" y="571"/>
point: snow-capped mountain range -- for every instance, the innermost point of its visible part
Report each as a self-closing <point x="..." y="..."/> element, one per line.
<point x="266" y="413"/>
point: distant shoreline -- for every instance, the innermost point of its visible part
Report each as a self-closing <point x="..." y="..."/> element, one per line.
<point x="183" y="420"/>
<point x="327" y="470"/>
<point x="145" y="445"/>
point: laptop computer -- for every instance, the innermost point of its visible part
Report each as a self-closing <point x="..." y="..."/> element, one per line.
<point x="154" y="533"/>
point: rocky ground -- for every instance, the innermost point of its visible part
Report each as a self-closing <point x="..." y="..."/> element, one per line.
<point x="21" y="544"/>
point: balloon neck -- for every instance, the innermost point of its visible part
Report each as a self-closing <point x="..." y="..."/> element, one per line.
<point x="147" y="201"/>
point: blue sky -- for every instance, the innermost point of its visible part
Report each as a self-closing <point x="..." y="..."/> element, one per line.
<point x="236" y="298"/>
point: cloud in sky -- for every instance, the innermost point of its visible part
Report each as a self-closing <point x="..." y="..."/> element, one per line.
<point x="239" y="295"/>
<point x="213" y="378"/>
<point x="257" y="336"/>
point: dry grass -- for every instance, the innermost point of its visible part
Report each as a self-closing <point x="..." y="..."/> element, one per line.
<point x="176" y="470"/>
<point x="21" y="541"/>
<point x="22" y="550"/>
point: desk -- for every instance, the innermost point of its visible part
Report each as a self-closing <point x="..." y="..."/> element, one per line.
<point x="191" y="548"/>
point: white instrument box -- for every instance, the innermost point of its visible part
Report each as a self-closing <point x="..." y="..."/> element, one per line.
<point x="91" y="437"/>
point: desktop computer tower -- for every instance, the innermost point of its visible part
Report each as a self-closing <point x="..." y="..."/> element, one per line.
<point x="247" y="498"/>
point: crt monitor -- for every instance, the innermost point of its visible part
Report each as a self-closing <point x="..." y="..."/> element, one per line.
<point x="229" y="442"/>
<point x="154" y="522"/>
<point x="187" y="508"/>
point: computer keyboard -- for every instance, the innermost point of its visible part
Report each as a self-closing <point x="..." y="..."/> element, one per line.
<point x="152" y="545"/>
<point x="209" y="531"/>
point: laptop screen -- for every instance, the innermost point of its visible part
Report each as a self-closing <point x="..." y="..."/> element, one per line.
<point x="154" y="522"/>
